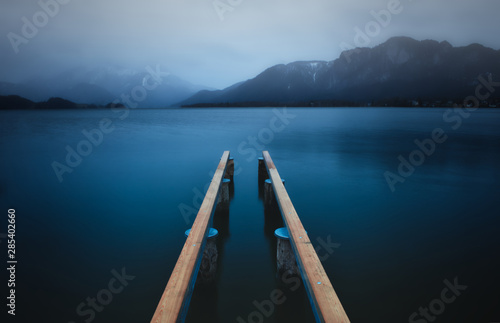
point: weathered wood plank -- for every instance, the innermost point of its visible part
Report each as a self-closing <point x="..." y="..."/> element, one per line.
<point x="174" y="302"/>
<point x="326" y="304"/>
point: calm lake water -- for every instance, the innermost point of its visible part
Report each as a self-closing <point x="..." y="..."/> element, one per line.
<point x="123" y="210"/>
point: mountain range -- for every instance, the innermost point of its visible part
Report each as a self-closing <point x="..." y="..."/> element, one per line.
<point x="400" y="68"/>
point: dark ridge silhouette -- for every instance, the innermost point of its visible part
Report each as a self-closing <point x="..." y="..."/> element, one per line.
<point x="15" y="102"/>
<point x="56" y="103"/>
<point x="401" y="69"/>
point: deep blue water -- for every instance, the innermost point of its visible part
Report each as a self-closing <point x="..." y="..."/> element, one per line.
<point x="119" y="209"/>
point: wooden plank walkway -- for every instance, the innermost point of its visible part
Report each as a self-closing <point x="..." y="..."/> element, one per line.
<point x="175" y="300"/>
<point x="326" y="304"/>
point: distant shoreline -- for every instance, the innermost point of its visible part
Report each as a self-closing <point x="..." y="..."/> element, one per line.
<point x="15" y="102"/>
<point x="395" y="103"/>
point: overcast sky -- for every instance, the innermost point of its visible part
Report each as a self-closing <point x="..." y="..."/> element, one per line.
<point x="217" y="48"/>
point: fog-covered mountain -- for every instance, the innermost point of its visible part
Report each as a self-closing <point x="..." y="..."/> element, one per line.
<point x="102" y="85"/>
<point x="399" y="68"/>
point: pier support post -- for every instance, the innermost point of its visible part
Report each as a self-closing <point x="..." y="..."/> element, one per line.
<point x="268" y="191"/>
<point x="285" y="256"/>
<point x="230" y="169"/>
<point x="262" y="170"/>
<point x="208" y="266"/>
<point x="223" y="200"/>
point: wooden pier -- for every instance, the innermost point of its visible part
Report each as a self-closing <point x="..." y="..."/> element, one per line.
<point x="174" y="303"/>
<point x="325" y="302"/>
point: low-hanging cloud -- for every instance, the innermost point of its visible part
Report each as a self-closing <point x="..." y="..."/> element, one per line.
<point x="190" y="39"/>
